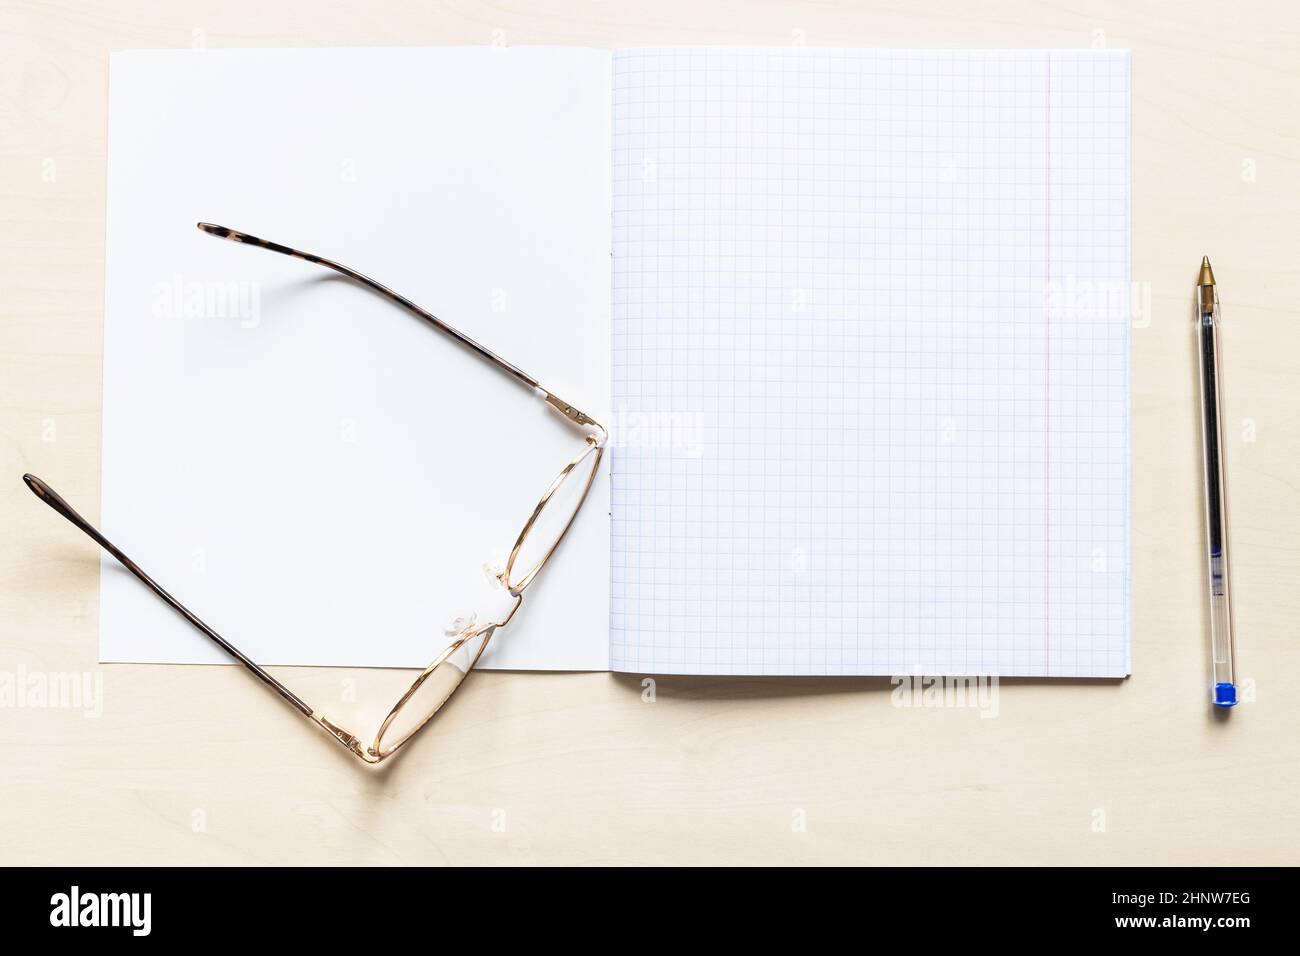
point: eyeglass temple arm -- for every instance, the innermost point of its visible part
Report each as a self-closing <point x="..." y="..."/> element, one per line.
<point x="563" y="407"/>
<point x="55" y="501"/>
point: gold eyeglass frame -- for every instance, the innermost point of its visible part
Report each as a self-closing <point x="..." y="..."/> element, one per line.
<point x="450" y="668"/>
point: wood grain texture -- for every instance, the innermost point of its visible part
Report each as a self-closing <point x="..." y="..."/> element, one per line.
<point x="197" y="765"/>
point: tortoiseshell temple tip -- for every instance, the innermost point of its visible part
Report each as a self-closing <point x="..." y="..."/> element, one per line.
<point x="214" y="230"/>
<point x="51" y="497"/>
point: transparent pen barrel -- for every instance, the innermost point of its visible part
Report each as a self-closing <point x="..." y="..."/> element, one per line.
<point x="1215" y="494"/>
<point x="1221" y="633"/>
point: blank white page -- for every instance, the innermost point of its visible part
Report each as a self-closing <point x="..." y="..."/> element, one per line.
<point x="871" y="362"/>
<point x="315" y="472"/>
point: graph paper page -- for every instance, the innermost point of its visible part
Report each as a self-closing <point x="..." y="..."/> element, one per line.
<point x="870" y="362"/>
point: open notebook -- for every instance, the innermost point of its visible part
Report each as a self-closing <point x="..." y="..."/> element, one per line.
<point x="857" y="321"/>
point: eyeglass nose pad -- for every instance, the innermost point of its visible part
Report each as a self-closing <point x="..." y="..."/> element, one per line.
<point x="461" y="625"/>
<point x="494" y="569"/>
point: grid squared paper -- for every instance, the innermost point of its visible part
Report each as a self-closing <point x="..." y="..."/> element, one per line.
<point x="870" y="362"/>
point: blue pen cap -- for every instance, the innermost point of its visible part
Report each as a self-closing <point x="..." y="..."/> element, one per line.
<point x="1225" y="695"/>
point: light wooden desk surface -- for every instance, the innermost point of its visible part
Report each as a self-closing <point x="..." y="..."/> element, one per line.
<point x="195" y="765"/>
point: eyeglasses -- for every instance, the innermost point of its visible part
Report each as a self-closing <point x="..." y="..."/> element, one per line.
<point x="536" y="543"/>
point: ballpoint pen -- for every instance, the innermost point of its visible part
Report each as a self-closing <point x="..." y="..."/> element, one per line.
<point x="1224" y="693"/>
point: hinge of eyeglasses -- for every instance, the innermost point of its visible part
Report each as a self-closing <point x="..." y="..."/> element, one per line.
<point x="346" y="739"/>
<point x="568" y="411"/>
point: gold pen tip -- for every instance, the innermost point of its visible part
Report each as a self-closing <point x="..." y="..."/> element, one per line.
<point x="1207" y="274"/>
